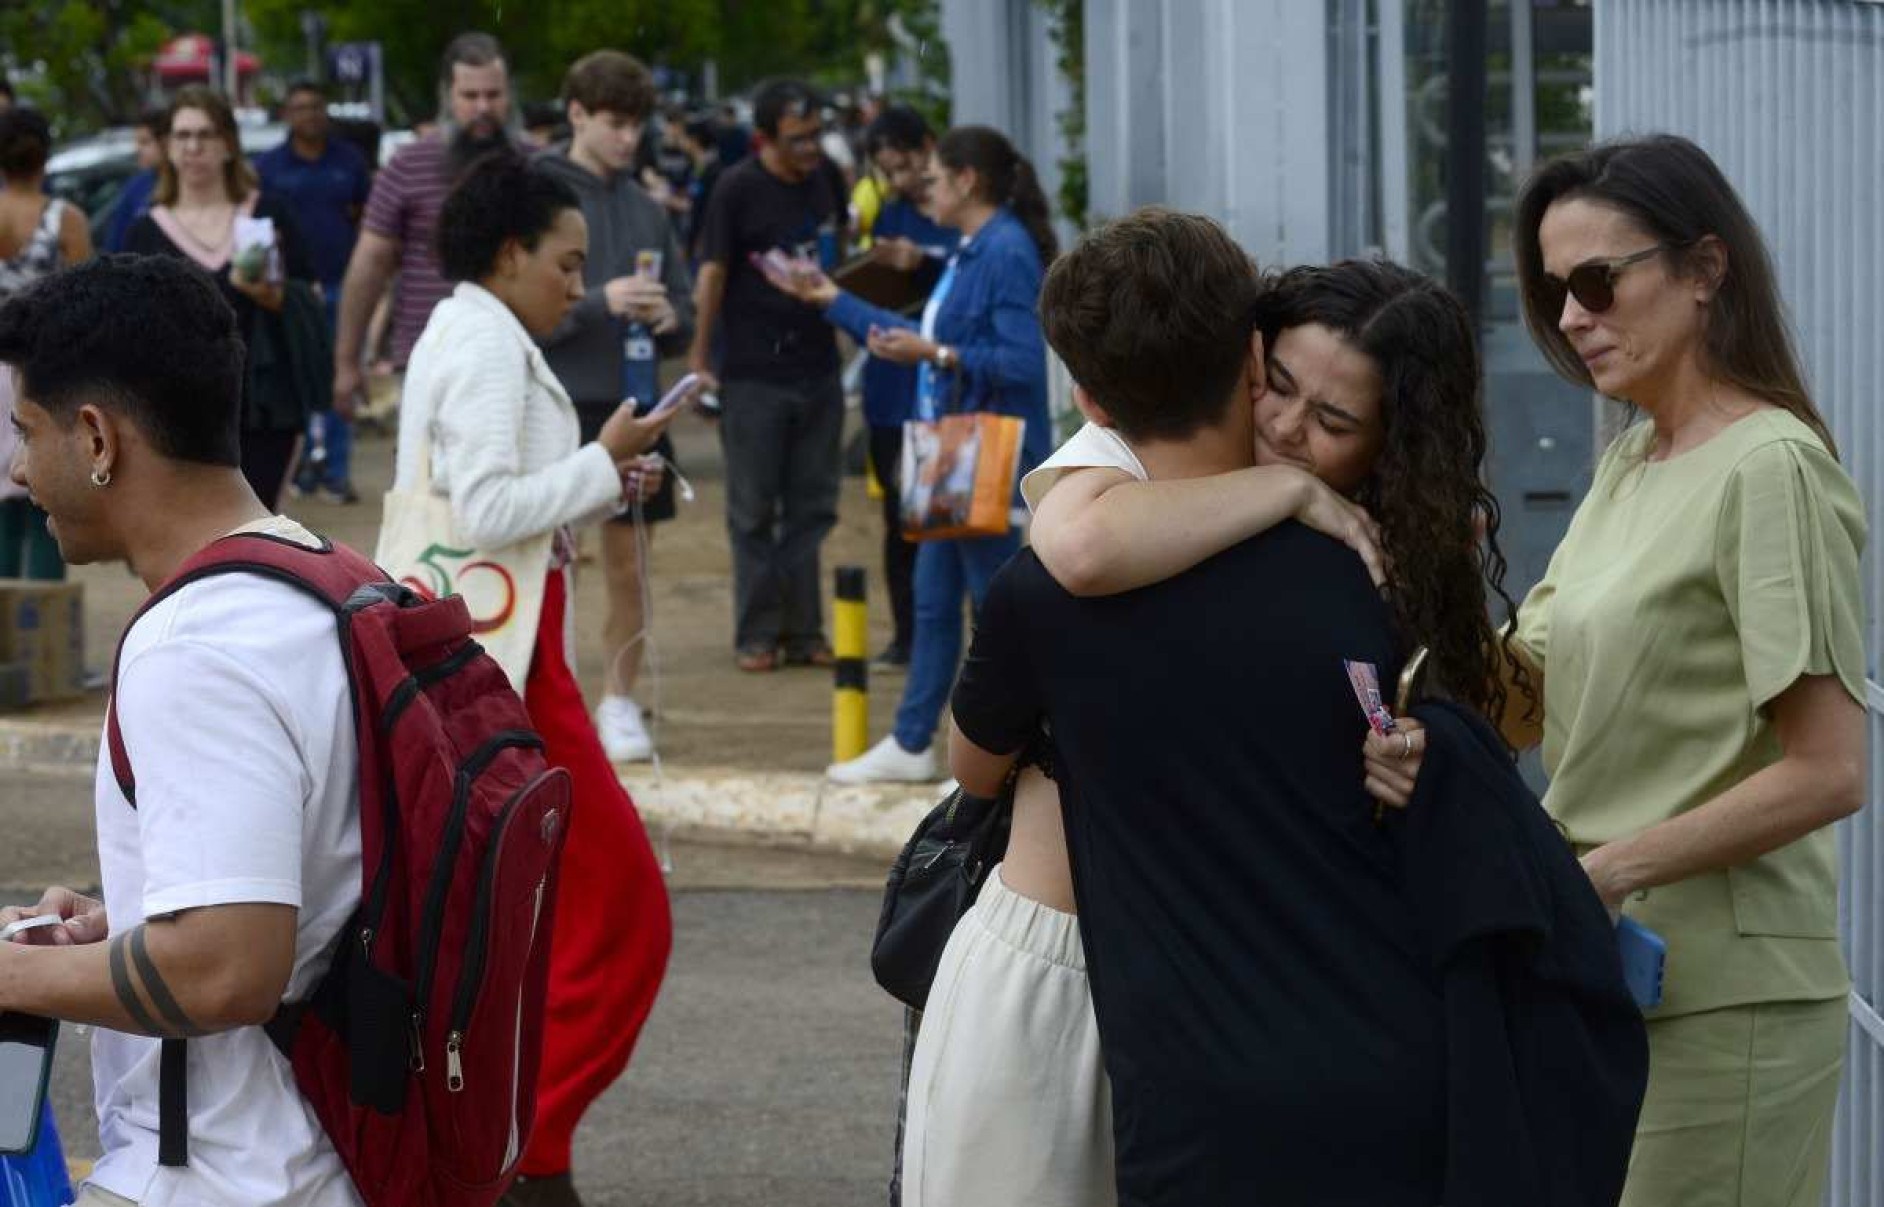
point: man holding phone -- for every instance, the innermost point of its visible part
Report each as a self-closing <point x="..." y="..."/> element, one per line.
<point x="227" y="883"/>
<point x="782" y="430"/>
<point x="637" y="308"/>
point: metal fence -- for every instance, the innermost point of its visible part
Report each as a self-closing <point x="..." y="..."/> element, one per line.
<point x="1788" y="95"/>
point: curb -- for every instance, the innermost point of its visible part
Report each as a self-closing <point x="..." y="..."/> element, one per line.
<point x="801" y="807"/>
<point x="794" y="806"/>
<point x="40" y="745"/>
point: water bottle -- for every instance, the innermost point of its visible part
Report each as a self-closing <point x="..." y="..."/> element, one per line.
<point x="640" y="360"/>
<point x="640" y="365"/>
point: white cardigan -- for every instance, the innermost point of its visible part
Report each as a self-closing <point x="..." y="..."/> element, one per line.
<point x="506" y="445"/>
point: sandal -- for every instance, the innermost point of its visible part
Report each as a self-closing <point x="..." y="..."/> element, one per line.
<point x="756" y="661"/>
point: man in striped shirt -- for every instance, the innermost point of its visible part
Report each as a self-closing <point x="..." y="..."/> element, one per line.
<point x="401" y="218"/>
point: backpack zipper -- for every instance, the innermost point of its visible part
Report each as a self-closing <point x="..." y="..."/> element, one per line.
<point x="455" y="1070"/>
<point x="402" y="696"/>
<point x="471" y="978"/>
<point x="433" y="916"/>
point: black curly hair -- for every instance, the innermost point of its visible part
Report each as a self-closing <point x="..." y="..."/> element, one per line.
<point x="25" y="143"/>
<point x="150" y="337"/>
<point x="501" y="197"/>
<point x="1427" y="490"/>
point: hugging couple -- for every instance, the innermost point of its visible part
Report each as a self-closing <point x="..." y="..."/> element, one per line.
<point x="1209" y="969"/>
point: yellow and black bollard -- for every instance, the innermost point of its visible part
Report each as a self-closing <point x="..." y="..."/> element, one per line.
<point x="850" y="702"/>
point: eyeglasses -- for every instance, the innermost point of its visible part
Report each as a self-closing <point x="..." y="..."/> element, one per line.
<point x="807" y="140"/>
<point x="1593" y="285"/>
<point x="186" y="137"/>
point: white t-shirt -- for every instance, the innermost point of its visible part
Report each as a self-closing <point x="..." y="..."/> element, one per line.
<point x="235" y="708"/>
<point x="1091" y="447"/>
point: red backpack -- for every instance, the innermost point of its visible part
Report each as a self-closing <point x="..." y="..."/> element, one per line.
<point x="419" y="1048"/>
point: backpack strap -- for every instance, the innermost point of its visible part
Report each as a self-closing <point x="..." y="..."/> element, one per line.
<point x="173" y="1105"/>
<point x="332" y="574"/>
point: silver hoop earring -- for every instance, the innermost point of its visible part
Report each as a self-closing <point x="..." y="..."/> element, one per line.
<point x="101" y="478"/>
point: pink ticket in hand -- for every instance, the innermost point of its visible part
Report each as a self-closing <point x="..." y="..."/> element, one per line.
<point x="1366" y="683"/>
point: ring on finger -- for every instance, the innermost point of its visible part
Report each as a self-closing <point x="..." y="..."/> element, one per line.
<point x="1406" y="745"/>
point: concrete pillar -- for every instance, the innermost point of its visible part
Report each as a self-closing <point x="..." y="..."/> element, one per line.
<point x="1216" y="106"/>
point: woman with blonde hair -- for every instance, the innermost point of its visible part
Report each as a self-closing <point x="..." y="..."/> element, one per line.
<point x="205" y="189"/>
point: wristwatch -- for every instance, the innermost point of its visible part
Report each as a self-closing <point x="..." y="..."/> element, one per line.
<point x="944" y="357"/>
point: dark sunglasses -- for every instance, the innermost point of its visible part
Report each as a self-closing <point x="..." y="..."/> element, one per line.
<point x="1593" y="285"/>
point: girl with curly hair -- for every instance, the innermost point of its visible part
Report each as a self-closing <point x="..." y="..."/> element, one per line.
<point x="485" y="424"/>
<point x="1373" y="393"/>
<point x="1368" y="428"/>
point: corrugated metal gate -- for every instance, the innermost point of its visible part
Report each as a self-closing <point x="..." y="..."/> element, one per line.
<point x="1788" y="95"/>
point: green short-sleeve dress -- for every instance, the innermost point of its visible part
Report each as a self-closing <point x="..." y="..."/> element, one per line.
<point x="1687" y="594"/>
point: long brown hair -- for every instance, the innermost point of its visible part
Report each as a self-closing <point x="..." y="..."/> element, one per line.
<point x="1677" y="194"/>
<point x="1427" y="490"/>
<point x="1004" y="177"/>
<point x="238" y="177"/>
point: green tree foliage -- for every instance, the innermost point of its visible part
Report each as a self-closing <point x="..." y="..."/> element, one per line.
<point x="542" y="36"/>
<point x="823" y="40"/>
<point x="1069" y="44"/>
<point x="84" y="62"/>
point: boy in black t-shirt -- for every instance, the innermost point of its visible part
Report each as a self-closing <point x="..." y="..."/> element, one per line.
<point x="1270" y="1028"/>
<point x="778" y="370"/>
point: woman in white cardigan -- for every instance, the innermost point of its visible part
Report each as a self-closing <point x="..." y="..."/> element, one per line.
<point x="503" y="447"/>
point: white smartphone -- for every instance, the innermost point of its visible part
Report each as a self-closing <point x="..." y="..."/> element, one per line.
<point x="25" y="924"/>
<point x="677" y="395"/>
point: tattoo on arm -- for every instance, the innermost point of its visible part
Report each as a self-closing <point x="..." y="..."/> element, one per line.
<point x="176" y="1023"/>
<point x="126" y="991"/>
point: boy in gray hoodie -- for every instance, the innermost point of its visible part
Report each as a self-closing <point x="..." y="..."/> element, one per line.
<point x="638" y="308"/>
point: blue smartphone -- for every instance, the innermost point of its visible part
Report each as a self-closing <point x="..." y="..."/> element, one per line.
<point x="26" y="1045"/>
<point x="1644" y="957"/>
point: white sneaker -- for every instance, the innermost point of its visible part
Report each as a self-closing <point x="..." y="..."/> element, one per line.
<point x="886" y="763"/>
<point x="624" y="737"/>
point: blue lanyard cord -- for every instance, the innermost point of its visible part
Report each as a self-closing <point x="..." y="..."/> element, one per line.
<point x="927" y="385"/>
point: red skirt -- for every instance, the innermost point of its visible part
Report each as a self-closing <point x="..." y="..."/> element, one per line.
<point x="613" y="928"/>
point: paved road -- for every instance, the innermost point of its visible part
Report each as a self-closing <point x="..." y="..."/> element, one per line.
<point x="766" y="1076"/>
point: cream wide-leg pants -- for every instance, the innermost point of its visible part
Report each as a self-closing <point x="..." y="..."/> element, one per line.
<point x="1008" y="1099"/>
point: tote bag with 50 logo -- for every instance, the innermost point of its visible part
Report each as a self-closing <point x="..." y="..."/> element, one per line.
<point x="503" y="588"/>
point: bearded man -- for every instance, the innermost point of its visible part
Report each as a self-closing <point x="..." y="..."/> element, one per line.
<point x="476" y="116"/>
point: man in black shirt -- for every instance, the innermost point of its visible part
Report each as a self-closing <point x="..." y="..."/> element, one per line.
<point x="1271" y="1029"/>
<point x="784" y="404"/>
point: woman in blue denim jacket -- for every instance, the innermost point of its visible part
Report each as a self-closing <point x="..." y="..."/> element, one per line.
<point x="977" y="347"/>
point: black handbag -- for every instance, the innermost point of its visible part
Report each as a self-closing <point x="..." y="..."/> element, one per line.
<point x="931" y="885"/>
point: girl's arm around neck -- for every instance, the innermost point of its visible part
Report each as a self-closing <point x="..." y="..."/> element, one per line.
<point x="1100" y="531"/>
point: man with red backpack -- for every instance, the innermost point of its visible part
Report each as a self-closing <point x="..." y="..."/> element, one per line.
<point x="272" y="824"/>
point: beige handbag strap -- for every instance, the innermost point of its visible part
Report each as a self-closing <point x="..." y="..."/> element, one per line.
<point x="422" y="484"/>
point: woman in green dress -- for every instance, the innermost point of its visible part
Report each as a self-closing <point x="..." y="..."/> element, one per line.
<point x="1698" y="640"/>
